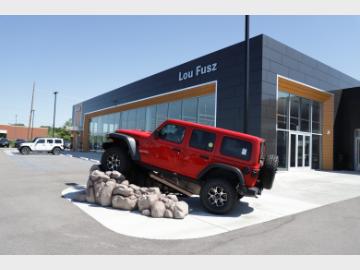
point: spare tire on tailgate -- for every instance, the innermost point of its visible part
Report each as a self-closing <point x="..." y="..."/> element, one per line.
<point x="268" y="171"/>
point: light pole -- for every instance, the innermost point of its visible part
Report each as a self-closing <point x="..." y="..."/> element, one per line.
<point x="247" y="72"/>
<point x="53" y="127"/>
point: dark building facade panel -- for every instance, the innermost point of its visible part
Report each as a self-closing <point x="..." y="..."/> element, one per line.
<point x="347" y="121"/>
<point x="279" y="59"/>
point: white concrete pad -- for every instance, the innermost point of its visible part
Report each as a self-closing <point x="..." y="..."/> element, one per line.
<point x="293" y="192"/>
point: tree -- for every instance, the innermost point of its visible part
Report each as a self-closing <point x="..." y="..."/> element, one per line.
<point x="63" y="132"/>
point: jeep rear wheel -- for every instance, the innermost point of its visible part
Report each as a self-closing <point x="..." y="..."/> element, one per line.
<point x="25" y="150"/>
<point x="218" y="196"/>
<point x="268" y="171"/>
<point x="115" y="159"/>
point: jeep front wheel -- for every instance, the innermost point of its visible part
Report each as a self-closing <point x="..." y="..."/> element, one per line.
<point x="25" y="150"/>
<point x="115" y="159"/>
<point x="218" y="196"/>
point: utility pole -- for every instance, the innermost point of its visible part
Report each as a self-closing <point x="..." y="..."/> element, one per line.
<point x="32" y="123"/>
<point x="53" y="127"/>
<point x="31" y="111"/>
<point x="247" y="72"/>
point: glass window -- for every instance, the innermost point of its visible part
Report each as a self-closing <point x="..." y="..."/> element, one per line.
<point x="111" y="122"/>
<point x="316" y="146"/>
<point x="316" y="127"/>
<point x="58" y="141"/>
<point x="150" y="124"/>
<point x="294" y="112"/>
<point x="282" y="110"/>
<point x="41" y="141"/>
<point x="172" y="133"/>
<point x="105" y="123"/>
<point x="175" y="110"/>
<point x="49" y="141"/>
<point x="282" y="152"/>
<point x="202" y="140"/>
<point x="140" y="118"/>
<point x="116" y="120"/>
<point x="189" y="109"/>
<point x="305" y="114"/>
<point x="236" y="148"/>
<point x="161" y="113"/>
<point x="206" y="110"/>
<point x="124" y="119"/>
<point x="132" y="119"/>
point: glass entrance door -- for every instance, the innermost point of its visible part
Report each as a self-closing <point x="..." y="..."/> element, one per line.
<point x="300" y="150"/>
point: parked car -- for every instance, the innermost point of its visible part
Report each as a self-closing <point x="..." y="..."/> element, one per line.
<point x="50" y="145"/>
<point x="18" y="142"/>
<point x="218" y="164"/>
<point x="4" y="142"/>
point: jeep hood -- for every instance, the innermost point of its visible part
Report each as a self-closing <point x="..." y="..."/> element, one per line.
<point x="134" y="133"/>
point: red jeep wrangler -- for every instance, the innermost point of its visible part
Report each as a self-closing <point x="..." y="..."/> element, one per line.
<point x="218" y="164"/>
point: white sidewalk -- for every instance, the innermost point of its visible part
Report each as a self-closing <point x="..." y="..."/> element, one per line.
<point x="293" y="192"/>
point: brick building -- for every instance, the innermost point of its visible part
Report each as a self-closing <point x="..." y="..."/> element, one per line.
<point x="17" y="132"/>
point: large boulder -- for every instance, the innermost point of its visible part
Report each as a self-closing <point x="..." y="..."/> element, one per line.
<point x="94" y="168"/>
<point x="170" y="204"/>
<point x="123" y="190"/>
<point x="98" y="186"/>
<point x="145" y="212"/>
<point x="146" y="201"/>
<point x="172" y="197"/>
<point x="99" y="176"/>
<point x="124" y="203"/>
<point x="168" y="214"/>
<point x="158" y="209"/>
<point x="181" y="209"/>
<point x="106" y="193"/>
<point x="117" y="176"/>
<point x="154" y="190"/>
<point x="134" y="187"/>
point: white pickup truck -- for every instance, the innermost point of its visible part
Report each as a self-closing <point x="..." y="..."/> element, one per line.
<point x="50" y="145"/>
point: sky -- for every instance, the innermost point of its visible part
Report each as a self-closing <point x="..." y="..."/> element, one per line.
<point x="84" y="56"/>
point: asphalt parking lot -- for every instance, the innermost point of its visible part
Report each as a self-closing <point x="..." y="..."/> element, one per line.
<point x="36" y="220"/>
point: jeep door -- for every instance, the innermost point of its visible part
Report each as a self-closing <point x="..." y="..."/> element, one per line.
<point x="197" y="153"/>
<point x="165" y="147"/>
<point x="40" y="145"/>
<point x="49" y="144"/>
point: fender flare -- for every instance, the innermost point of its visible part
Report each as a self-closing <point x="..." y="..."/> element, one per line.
<point x="236" y="171"/>
<point x="128" y="140"/>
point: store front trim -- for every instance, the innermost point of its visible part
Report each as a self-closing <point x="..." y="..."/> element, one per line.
<point x="197" y="103"/>
<point x="304" y="126"/>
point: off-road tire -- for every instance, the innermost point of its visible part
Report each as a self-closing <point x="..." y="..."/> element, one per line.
<point x="116" y="158"/>
<point x="211" y="191"/>
<point x="56" y="151"/>
<point x="268" y="171"/>
<point x="25" y="150"/>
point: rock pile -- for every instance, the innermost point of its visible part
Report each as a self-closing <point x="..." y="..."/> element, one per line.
<point x="112" y="189"/>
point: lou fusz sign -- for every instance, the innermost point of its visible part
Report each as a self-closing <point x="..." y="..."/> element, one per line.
<point x="197" y="71"/>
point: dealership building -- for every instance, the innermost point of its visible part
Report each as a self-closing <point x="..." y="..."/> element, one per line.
<point x="293" y="103"/>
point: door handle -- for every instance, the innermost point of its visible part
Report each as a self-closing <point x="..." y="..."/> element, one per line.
<point x="176" y="150"/>
<point x="204" y="156"/>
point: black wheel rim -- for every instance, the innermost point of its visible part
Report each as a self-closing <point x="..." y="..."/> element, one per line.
<point x="217" y="196"/>
<point x="113" y="162"/>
